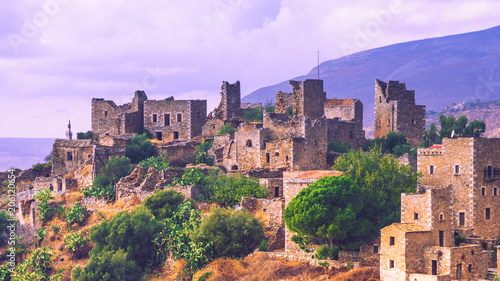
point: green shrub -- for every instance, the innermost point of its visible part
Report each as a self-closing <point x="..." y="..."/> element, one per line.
<point x="41" y="233"/>
<point x="5" y="272"/>
<point x="226" y="129"/>
<point x="75" y="241"/>
<point x="204" y="158"/>
<point x="59" y="210"/>
<point x="228" y="190"/>
<point x="82" y="136"/>
<point x="263" y="245"/>
<point x="56" y="228"/>
<point x="459" y="239"/>
<point x="76" y="214"/>
<point x="45" y="212"/>
<point x="108" y="265"/>
<point x="139" y="148"/>
<point x="339" y="147"/>
<point x="40" y="167"/>
<point x="156" y="162"/>
<point x="107" y="192"/>
<point x="131" y="231"/>
<point x="254" y="114"/>
<point x="204" y="147"/>
<point x="325" y="252"/>
<point x="234" y="234"/>
<point x="163" y="203"/>
<point x="174" y="239"/>
<point x="35" y="267"/>
<point x="192" y="176"/>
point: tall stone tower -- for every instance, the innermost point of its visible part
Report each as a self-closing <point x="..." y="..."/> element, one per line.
<point x="231" y="100"/>
<point x="395" y="111"/>
<point x="308" y="98"/>
<point x="138" y="106"/>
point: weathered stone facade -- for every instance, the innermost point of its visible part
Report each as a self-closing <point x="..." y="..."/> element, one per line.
<point x="280" y="142"/>
<point x="228" y="111"/>
<point x="472" y="167"/>
<point x="110" y="119"/>
<point x="166" y="119"/>
<point x="459" y="195"/>
<point x="171" y="119"/>
<point x="395" y="111"/>
<point x="345" y="121"/>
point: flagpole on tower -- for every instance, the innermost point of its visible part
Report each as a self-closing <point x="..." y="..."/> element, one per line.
<point x="318" y="65"/>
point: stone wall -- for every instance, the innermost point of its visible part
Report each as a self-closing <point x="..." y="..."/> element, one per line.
<point x="231" y="100"/>
<point x="100" y="155"/>
<point x="284" y="101"/>
<point x="170" y="119"/>
<point x="395" y="111"/>
<point x="71" y="155"/>
<point x="274" y="187"/>
<point x="308" y="98"/>
<point x="272" y="211"/>
<point x="55" y="184"/>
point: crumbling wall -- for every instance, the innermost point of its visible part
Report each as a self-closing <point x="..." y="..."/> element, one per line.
<point x="69" y="156"/>
<point x="271" y="213"/>
<point x="284" y="102"/>
<point x="274" y="187"/>
<point x="395" y="111"/>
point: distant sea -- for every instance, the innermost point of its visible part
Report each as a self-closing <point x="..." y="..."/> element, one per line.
<point x="23" y="153"/>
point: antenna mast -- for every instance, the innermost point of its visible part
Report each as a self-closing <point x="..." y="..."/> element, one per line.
<point x="69" y="134"/>
<point x="318" y="65"/>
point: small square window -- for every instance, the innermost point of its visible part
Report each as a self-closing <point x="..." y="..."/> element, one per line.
<point x="470" y="268"/>
<point x="69" y="156"/>
<point x="155" y="118"/>
<point x="457" y="169"/>
<point x="488" y="213"/>
<point x="391" y="241"/>
<point x="415" y="216"/>
<point x="176" y="135"/>
<point x="179" y="117"/>
<point x="413" y="121"/>
<point x="375" y="249"/>
<point x="483" y="191"/>
<point x="441" y="217"/>
<point x="431" y="170"/>
<point x="391" y="264"/>
<point x="495" y="191"/>
<point x="105" y="113"/>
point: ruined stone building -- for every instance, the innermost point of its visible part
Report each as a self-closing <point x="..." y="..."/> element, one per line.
<point x="166" y="119"/>
<point x="294" y="137"/>
<point x="281" y="141"/>
<point x="459" y="193"/>
<point x="228" y="111"/>
<point x="395" y="111"/>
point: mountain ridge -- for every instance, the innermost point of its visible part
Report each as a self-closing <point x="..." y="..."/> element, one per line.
<point x="443" y="70"/>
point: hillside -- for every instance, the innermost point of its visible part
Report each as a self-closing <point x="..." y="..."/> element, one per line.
<point x="442" y="71"/>
<point x="488" y="112"/>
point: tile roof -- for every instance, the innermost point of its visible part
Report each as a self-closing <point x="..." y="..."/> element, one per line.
<point x="72" y="143"/>
<point x="317" y="174"/>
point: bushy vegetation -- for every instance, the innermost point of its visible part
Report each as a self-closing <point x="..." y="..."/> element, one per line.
<point x="457" y="127"/>
<point x="226" y="190"/>
<point x="40" y="167"/>
<point x="393" y="143"/>
<point x="175" y="240"/>
<point x="76" y="214"/>
<point x="233" y="233"/>
<point x="4" y="222"/>
<point x="339" y="147"/>
<point x="329" y="209"/>
<point x="35" y="267"/>
<point x="226" y="129"/>
<point x="87" y="135"/>
<point x="139" y="148"/>
<point x="108" y="265"/>
<point x="75" y="241"/>
<point x="252" y="115"/>
<point x="201" y="153"/>
<point x="325" y="252"/>
<point x="111" y="173"/>
<point x="381" y="179"/>
<point x="163" y="203"/>
<point x="44" y="210"/>
<point x="156" y="162"/>
<point x="131" y="231"/>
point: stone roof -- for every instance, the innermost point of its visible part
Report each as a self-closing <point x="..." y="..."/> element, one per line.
<point x="317" y="174"/>
<point x="409" y="227"/>
<point x="336" y="102"/>
<point x="436" y="146"/>
<point x="72" y="143"/>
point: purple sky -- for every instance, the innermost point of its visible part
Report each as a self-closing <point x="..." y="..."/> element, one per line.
<point x="56" y="55"/>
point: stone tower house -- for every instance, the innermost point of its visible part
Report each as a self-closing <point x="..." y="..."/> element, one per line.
<point x="395" y="111"/>
<point x="231" y="100"/>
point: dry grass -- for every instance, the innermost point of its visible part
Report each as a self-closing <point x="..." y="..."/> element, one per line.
<point x="69" y="176"/>
<point x="134" y="200"/>
<point x="260" y="267"/>
<point x="262" y="217"/>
